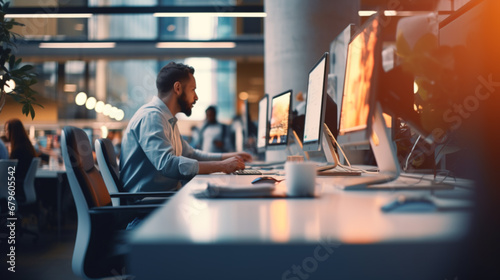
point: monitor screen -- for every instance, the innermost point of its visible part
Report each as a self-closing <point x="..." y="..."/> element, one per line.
<point x="262" y="125"/>
<point x="359" y="84"/>
<point x="280" y="120"/>
<point x="338" y="57"/>
<point x="315" y="105"/>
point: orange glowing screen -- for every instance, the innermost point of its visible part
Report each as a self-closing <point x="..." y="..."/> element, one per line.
<point x="278" y="132"/>
<point x="358" y="80"/>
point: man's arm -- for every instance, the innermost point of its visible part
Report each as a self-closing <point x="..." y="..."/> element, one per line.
<point x="244" y="156"/>
<point x="228" y="165"/>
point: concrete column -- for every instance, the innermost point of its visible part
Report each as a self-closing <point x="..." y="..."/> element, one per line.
<point x="297" y="33"/>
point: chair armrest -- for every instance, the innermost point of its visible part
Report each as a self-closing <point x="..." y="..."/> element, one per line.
<point x="143" y="194"/>
<point x="121" y="209"/>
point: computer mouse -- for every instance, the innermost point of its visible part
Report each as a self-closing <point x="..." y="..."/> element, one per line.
<point x="410" y="204"/>
<point x="265" y="180"/>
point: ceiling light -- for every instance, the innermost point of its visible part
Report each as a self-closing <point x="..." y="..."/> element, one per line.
<point x="213" y="14"/>
<point x="107" y="109"/>
<point x="99" y="107"/>
<point x="81" y="98"/>
<point x="45" y="15"/>
<point x="196" y="45"/>
<point x="392" y="13"/>
<point x="366" y="13"/>
<point x="91" y="102"/>
<point x="112" y="113"/>
<point x="120" y="115"/>
<point x="100" y="45"/>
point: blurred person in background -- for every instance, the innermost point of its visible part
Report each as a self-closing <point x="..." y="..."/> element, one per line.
<point x="20" y="149"/>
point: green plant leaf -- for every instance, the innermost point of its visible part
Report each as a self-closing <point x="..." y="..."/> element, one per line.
<point x="26" y="68"/>
<point x="32" y="112"/>
<point x="12" y="61"/>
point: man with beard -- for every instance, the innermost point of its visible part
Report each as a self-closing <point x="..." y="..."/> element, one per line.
<point x="154" y="156"/>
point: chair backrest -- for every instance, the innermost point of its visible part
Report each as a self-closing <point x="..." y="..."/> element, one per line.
<point x="81" y="163"/>
<point x="108" y="165"/>
<point x="87" y="187"/>
<point x="29" y="182"/>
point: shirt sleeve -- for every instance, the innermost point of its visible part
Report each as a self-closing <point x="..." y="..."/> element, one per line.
<point x="155" y="137"/>
<point x="189" y="151"/>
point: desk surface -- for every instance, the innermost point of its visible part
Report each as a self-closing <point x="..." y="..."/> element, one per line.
<point x="342" y="217"/>
<point x="348" y="217"/>
<point x="49" y="172"/>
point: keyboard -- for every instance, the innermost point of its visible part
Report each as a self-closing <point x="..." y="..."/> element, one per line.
<point x="247" y="172"/>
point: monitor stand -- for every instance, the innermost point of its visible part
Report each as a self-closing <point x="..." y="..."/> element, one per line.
<point x="326" y="154"/>
<point x="388" y="165"/>
<point x="328" y="145"/>
<point x="385" y="155"/>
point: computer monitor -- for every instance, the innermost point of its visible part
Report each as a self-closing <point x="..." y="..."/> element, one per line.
<point x="363" y="57"/>
<point x="338" y="60"/>
<point x="315" y="105"/>
<point x="279" y="123"/>
<point x="361" y="112"/>
<point x="262" y="124"/>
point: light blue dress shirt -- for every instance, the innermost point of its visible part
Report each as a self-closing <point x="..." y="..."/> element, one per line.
<point x="154" y="157"/>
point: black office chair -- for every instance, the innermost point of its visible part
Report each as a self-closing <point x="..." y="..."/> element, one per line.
<point x="110" y="171"/>
<point x="99" y="224"/>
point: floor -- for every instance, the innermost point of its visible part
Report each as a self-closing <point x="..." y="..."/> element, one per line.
<point x="49" y="257"/>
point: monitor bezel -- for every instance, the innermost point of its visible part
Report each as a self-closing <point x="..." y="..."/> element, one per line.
<point x="315" y="144"/>
<point x="266" y="121"/>
<point x="280" y="146"/>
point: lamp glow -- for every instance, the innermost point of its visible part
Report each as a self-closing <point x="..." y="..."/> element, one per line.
<point x="120" y="115"/>
<point x="99" y="106"/>
<point x="112" y="113"/>
<point x="107" y="109"/>
<point x="104" y="131"/>
<point x="9" y="86"/>
<point x="243" y="95"/>
<point x="81" y="98"/>
<point x="91" y="102"/>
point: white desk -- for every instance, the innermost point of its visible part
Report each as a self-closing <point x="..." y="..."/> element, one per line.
<point x="336" y="236"/>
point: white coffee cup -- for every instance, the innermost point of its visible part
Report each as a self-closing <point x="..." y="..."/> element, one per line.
<point x="300" y="178"/>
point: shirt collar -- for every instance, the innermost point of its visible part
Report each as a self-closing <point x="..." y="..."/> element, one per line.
<point x="164" y="109"/>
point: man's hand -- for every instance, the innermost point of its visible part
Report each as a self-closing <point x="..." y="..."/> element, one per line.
<point x="246" y="157"/>
<point x="228" y="165"/>
<point x="231" y="164"/>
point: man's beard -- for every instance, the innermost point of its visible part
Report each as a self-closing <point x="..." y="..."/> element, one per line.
<point x="183" y="103"/>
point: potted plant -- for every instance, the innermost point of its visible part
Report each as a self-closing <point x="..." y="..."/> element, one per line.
<point x="15" y="79"/>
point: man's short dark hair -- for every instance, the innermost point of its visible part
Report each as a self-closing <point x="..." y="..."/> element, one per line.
<point x="172" y="73"/>
<point x="212" y="108"/>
